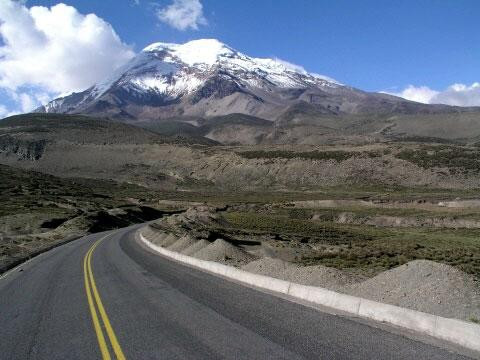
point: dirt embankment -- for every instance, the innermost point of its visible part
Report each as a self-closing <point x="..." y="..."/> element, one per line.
<point x="419" y="285"/>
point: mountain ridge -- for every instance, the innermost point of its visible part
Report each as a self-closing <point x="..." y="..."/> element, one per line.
<point x="207" y="78"/>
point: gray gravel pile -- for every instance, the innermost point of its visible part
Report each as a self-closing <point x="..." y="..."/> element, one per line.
<point x="192" y="249"/>
<point x="424" y="286"/>
<point x="316" y="275"/>
<point x="223" y="251"/>
<point x="167" y="239"/>
<point x="182" y="243"/>
<point x="156" y="237"/>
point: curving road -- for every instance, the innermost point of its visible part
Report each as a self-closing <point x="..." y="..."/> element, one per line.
<point x="107" y="297"/>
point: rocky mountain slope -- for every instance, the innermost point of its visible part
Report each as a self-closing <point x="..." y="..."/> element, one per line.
<point x="207" y="78"/>
<point x="204" y="88"/>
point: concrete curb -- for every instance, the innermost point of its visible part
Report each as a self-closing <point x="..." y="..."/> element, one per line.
<point x="453" y="330"/>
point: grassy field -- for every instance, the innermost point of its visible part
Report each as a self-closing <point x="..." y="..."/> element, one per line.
<point x="367" y="249"/>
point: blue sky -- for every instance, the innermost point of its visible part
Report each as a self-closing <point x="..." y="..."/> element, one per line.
<point x="426" y="46"/>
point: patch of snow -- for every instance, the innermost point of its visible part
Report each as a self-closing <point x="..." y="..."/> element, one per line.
<point x="180" y="84"/>
<point x="54" y="105"/>
<point x="187" y="83"/>
<point x="144" y="63"/>
<point x="326" y="78"/>
<point x="204" y="51"/>
<point x="147" y="83"/>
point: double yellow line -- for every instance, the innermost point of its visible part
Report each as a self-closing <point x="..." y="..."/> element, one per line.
<point x="95" y="302"/>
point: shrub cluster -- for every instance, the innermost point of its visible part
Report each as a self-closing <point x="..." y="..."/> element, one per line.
<point x="443" y="157"/>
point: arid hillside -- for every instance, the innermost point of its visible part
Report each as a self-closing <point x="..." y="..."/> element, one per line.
<point x="91" y="148"/>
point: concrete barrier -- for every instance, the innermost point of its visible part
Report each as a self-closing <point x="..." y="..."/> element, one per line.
<point x="453" y="330"/>
<point x="459" y="332"/>
<point x="264" y="282"/>
<point x="325" y="297"/>
<point x="407" y="318"/>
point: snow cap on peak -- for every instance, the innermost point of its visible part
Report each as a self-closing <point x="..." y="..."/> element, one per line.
<point x="158" y="46"/>
<point x="211" y="52"/>
<point x="204" y="51"/>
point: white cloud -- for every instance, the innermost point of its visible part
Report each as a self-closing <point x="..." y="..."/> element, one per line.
<point x="460" y="95"/>
<point x="456" y="94"/>
<point x="54" y="50"/>
<point x="183" y="14"/>
<point x="27" y="102"/>
<point x="422" y="94"/>
<point x="3" y="111"/>
<point x="27" y="99"/>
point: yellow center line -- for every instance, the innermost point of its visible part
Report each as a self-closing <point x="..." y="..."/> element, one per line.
<point x="90" y="287"/>
<point x="96" y="323"/>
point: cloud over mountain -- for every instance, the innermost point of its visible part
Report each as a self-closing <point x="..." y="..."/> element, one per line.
<point x="54" y="50"/>
<point x="456" y="94"/>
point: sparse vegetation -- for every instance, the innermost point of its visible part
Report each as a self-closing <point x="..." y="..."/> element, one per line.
<point x="365" y="248"/>
<point x="173" y="170"/>
<point x="335" y="155"/>
<point x="35" y="206"/>
<point x="310" y="155"/>
<point x="474" y="320"/>
<point x="451" y="157"/>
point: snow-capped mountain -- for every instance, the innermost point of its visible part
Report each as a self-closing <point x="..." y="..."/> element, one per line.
<point x="205" y="78"/>
<point x="175" y="70"/>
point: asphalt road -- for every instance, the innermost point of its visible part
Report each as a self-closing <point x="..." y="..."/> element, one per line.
<point x="158" y="309"/>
